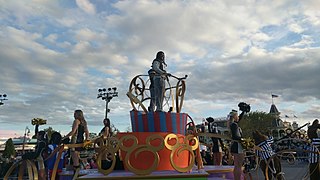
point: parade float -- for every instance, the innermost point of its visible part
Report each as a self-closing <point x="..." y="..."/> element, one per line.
<point x="162" y="144"/>
<point x="157" y="147"/>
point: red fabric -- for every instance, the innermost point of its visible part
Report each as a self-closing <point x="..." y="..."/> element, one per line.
<point x="169" y="122"/>
<point x="157" y="122"/>
<point x="136" y="120"/>
<point x="145" y="123"/>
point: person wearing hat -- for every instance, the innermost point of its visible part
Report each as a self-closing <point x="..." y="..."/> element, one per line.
<point x="217" y="143"/>
<point x="236" y="148"/>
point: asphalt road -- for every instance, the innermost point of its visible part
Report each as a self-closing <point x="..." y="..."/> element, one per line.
<point x="296" y="171"/>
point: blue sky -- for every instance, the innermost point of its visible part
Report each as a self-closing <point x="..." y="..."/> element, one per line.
<point x="55" y="55"/>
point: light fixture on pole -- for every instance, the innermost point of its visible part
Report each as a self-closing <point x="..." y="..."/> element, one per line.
<point x="2" y="98"/>
<point x="107" y="95"/>
<point x="26" y="132"/>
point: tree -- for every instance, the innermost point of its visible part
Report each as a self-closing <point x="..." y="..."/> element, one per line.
<point x="114" y="129"/>
<point x="49" y="131"/>
<point x="9" y="149"/>
<point x="260" y="121"/>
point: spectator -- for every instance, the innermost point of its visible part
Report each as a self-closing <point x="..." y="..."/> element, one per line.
<point x="54" y="143"/>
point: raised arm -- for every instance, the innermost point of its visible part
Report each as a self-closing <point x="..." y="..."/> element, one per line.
<point x="36" y="130"/>
<point x="241" y="116"/>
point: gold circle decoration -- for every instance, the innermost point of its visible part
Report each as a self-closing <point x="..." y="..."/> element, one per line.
<point x="152" y="138"/>
<point x="180" y="91"/>
<point x="137" y="149"/>
<point x="31" y="169"/>
<point x="110" y="149"/>
<point x="136" y="92"/>
<point x="178" y="148"/>
<point x="168" y="138"/>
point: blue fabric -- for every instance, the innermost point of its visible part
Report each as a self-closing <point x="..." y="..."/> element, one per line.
<point x="174" y="122"/>
<point x="151" y="125"/>
<point x="52" y="160"/>
<point x="140" y="122"/>
<point x="163" y="123"/>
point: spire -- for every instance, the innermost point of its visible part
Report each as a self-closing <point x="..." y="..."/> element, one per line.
<point x="274" y="109"/>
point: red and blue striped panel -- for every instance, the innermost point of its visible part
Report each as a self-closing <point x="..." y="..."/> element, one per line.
<point x="158" y="122"/>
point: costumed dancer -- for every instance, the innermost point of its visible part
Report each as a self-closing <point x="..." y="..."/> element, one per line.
<point x="106" y="133"/>
<point x="217" y="143"/>
<point x="40" y="150"/>
<point x="266" y="152"/>
<point x="314" y="166"/>
<point x="236" y="149"/>
<point x="79" y="128"/>
<point x="157" y="86"/>
<point x="39" y="153"/>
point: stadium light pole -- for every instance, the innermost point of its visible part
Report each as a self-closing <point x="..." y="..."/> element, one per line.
<point x="107" y="95"/>
<point x="2" y="98"/>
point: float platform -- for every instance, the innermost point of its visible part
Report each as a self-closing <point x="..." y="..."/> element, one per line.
<point x="209" y="172"/>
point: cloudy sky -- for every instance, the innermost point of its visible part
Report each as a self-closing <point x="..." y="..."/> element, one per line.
<point x="55" y="55"/>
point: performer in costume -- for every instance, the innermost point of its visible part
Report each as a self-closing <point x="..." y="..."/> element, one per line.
<point x="217" y="143"/>
<point x="106" y="133"/>
<point x="266" y="152"/>
<point x="314" y="157"/>
<point x="79" y="128"/>
<point x="157" y="87"/>
<point x="39" y="154"/>
<point x="236" y="147"/>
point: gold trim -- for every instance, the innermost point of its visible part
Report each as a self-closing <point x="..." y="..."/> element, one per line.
<point x="11" y="169"/>
<point x="31" y="169"/>
<point x="135" y="100"/>
<point x="180" y="91"/>
<point x="180" y="147"/>
<point x="141" y="148"/>
<point x="136" y="89"/>
<point x="56" y="164"/>
<point x="220" y="170"/>
<point x="169" y="137"/>
<point x="111" y="147"/>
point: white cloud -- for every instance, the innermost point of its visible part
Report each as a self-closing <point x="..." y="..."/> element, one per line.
<point x="86" y="6"/>
<point x="296" y="28"/>
<point x="55" y="56"/>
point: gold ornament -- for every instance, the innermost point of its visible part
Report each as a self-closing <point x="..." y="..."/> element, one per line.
<point x="179" y="147"/>
<point x="38" y="121"/>
<point x="110" y="149"/>
<point x="141" y="148"/>
<point x="247" y="143"/>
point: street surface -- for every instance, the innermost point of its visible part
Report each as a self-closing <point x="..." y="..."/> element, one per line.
<point x="297" y="171"/>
